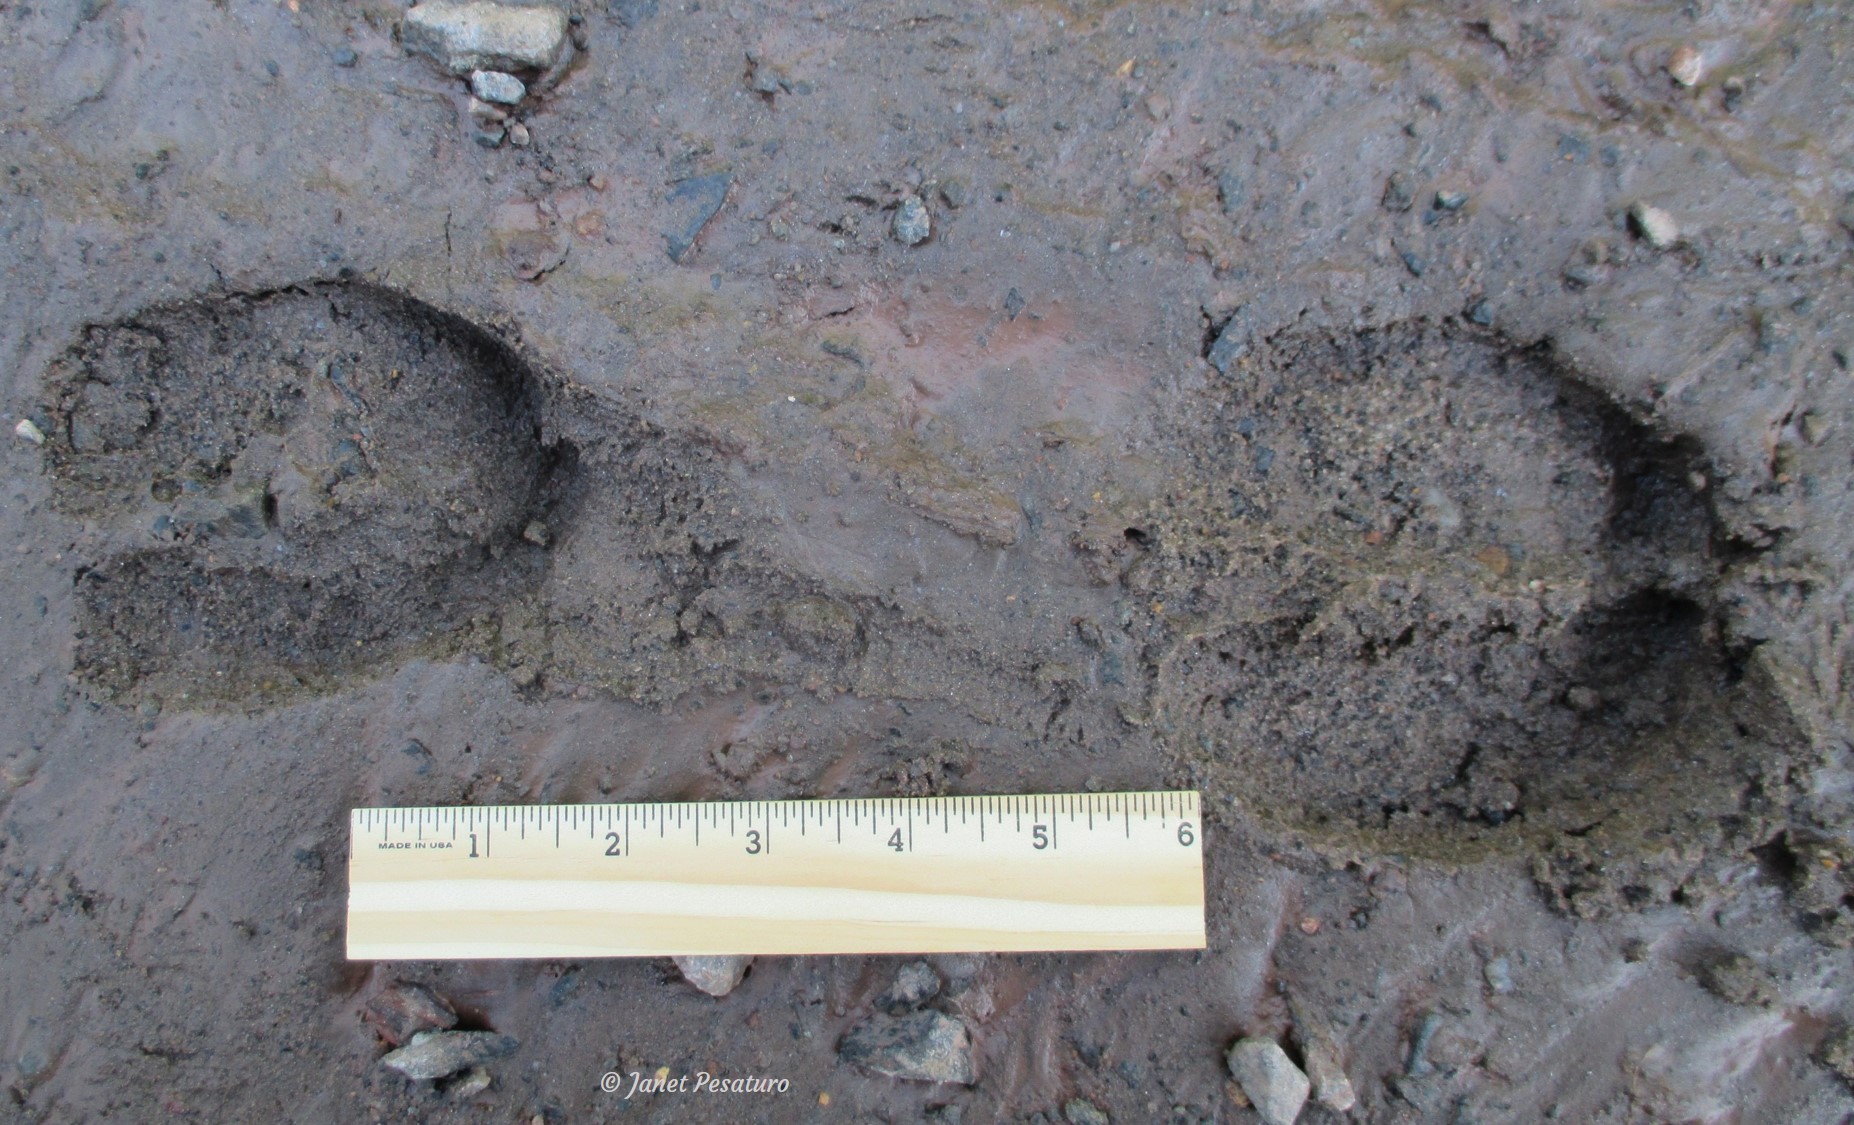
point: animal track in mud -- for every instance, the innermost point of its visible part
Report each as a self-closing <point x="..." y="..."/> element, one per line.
<point x="1422" y="585"/>
<point x="306" y="481"/>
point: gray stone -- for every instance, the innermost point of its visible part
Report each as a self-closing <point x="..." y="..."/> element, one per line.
<point x="485" y="114"/>
<point x="438" y="1054"/>
<point x="1232" y="342"/>
<point x="1231" y="192"/>
<point x="496" y="86"/>
<point x="1583" y="699"/>
<point x="912" y="223"/>
<point x="1081" y="1111"/>
<point x="467" y="35"/>
<point x="717" y="976"/>
<point x="693" y="202"/>
<point x="1273" y="1084"/>
<point x="1399" y="192"/>
<point x="344" y="56"/>
<point x="1499" y="970"/>
<point x="1326" y="1075"/>
<point x="1417" y="1065"/>
<point x="914" y="985"/>
<point x="470" y="1085"/>
<point x="923" y="1046"/>
<point x="1654" y="226"/>
<point x="403" y="1009"/>
<point x="1324" y="1063"/>
<point x="766" y="78"/>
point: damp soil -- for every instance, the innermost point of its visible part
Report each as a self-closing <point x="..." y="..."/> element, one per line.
<point x="1283" y="404"/>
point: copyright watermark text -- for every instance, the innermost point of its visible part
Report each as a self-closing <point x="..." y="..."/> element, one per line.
<point x="701" y="1082"/>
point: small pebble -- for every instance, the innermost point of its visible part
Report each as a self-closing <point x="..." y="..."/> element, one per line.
<point x="1327" y="1078"/>
<point x="1583" y="700"/>
<point x="437" y="1054"/>
<point x="403" y="1009"/>
<point x="1081" y="1111"/>
<point x="914" y="985"/>
<point x="1653" y="225"/>
<point x="1417" y="1064"/>
<point x="912" y="223"/>
<point x="1814" y="427"/>
<point x="1451" y="200"/>
<point x="483" y="113"/>
<point x="344" y="56"/>
<point x="717" y="976"/>
<point x="1269" y="1079"/>
<point x="1499" y="971"/>
<point x="470" y="1085"/>
<point x="29" y="430"/>
<point x="495" y="86"/>
<point x="518" y="135"/>
<point x="923" y="1046"/>
<point x="467" y="35"/>
<point x="1686" y="66"/>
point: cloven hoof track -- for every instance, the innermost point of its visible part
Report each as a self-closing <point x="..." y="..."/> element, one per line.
<point x="1434" y="590"/>
<point x="309" y="481"/>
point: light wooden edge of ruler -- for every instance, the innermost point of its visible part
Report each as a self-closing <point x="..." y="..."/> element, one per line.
<point x="804" y="913"/>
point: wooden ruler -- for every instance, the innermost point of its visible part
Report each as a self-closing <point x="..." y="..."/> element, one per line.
<point x="1073" y="871"/>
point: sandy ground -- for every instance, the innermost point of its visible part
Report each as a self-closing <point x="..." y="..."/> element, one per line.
<point x="1295" y="402"/>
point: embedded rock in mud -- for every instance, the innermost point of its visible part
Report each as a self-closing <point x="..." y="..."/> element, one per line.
<point x="924" y="1046"/>
<point x="404" y="1009"/>
<point x="467" y="35"/>
<point x="1423" y="585"/>
<point x="1272" y="1082"/>
<point x="717" y="976"/>
<point x="439" y="1054"/>
<point x="302" y="482"/>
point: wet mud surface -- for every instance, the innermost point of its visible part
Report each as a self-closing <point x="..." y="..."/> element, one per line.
<point x="1423" y="429"/>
